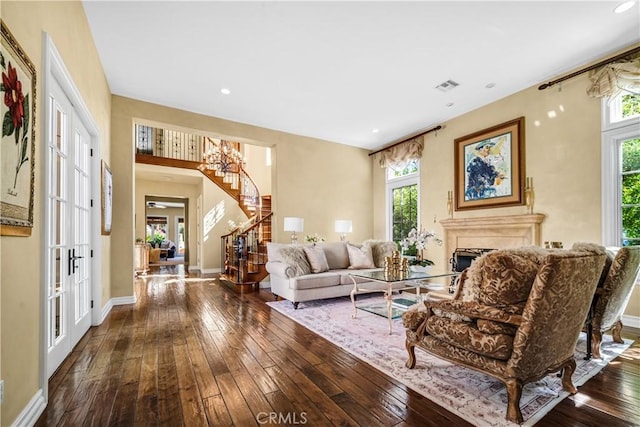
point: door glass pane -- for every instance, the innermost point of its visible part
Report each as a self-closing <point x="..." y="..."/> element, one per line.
<point x="57" y="229"/>
<point x="59" y="129"/>
<point x="58" y="320"/>
<point x="56" y="272"/>
<point x="56" y="174"/>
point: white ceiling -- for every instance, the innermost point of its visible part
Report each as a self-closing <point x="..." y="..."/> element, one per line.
<point x="338" y="70"/>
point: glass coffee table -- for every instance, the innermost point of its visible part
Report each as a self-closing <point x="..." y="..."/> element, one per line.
<point x="393" y="283"/>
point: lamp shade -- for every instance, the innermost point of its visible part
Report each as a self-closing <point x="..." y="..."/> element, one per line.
<point x="293" y="224"/>
<point x="343" y="226"/>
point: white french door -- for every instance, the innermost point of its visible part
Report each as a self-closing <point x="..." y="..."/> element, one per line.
<point x="68" y="270"/>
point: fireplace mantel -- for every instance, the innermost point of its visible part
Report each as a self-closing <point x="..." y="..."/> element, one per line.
<point x="496" y="232"/>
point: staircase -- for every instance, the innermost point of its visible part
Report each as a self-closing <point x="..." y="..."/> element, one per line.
<point x="244" y="250"/>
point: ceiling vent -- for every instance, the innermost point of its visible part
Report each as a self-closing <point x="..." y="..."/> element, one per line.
<point x="447" y="86"/>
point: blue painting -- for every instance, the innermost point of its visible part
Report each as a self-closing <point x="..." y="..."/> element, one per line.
<point x="487" y="168"/>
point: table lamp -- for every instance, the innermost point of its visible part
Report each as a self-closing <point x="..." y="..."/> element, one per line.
<point x="343" y="226"/>
<point x="294" y="225"/>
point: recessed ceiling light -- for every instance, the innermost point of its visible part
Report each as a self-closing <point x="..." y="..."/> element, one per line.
<point x="225" y="91"/>
<point x="375" y="131"/>
<point x="623" y="7"/>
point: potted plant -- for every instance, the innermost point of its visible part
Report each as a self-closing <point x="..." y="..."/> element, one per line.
<point x="414" y="245"/>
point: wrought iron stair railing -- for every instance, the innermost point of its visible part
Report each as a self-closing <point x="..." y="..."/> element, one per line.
<point x="245" y="252"/>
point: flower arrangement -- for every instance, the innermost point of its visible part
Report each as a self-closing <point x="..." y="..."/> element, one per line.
<point x="315" y="238"/>
<point x="416" y="241"/>
<point x="16" y="119"/>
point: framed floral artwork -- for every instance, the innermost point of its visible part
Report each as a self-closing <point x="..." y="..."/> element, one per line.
<point x="17" y="146"/>
<point x="489" y="167"/>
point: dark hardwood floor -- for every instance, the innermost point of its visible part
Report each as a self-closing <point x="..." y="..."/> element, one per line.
<point x="193" y="352"/>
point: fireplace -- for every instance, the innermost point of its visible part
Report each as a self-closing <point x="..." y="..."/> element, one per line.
<point x="498" y="232"/>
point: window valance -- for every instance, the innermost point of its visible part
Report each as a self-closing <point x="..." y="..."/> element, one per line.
<point x="614" y="78"/>
<point x="397" y="156"/>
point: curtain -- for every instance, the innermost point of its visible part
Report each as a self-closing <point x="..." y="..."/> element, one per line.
<point x="397" y="157"/>
<point x="611" y="79"/>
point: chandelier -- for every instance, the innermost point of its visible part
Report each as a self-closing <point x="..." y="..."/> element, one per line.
<point x="222" y="157"/>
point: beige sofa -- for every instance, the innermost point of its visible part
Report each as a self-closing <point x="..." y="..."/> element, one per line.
<point x="304" y="272"/>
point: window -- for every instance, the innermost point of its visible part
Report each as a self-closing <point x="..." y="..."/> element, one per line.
<point x="621" y="170"/>
<point x="402" y="200"/>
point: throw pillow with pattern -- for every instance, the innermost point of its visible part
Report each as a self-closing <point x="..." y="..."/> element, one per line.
<point x="296" y="258"/>
<point x="360" y="256"/>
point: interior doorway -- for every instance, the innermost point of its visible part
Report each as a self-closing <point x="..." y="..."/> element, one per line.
<point x="167" y="229"/>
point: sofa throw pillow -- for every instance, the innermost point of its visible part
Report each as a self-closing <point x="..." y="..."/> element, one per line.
<point x="295" y="257"/>
<point x="273" y="250"/>
<point x="360" y="256"/>
<point x="317" y="258"/>
<point x="380" y="249"/>
<point x="336" y="253"/>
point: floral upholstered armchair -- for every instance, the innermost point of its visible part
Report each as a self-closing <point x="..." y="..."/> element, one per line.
<point x="517" y="316"/>
<point x="613" y="294"/>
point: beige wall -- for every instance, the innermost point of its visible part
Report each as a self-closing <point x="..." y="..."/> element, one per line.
<point x="562" y="156"/>
<point x="256" y="167"/>
<point x="217" y="209"/>
<point x="21" y="259"/>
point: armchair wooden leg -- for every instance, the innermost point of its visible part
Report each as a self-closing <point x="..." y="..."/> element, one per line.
<point x="596" y="339"/>
<point x="411" y="363"/>
<point x="567" y="372"/>
<point x="514" y="392"/>
<point x="616" y="331"/>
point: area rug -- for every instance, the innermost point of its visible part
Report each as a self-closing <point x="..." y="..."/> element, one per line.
<point x="478" y="398"/>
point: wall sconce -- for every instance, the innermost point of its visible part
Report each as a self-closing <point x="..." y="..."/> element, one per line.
<point x="294" y="225"/>
<point x="343" y="226"/>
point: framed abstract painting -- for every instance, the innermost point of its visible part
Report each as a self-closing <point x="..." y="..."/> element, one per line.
<point x="489" y="167"/>
<point x="17" y="145"/>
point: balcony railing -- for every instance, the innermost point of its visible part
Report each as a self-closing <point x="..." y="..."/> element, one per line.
<point x="168" y="143"/>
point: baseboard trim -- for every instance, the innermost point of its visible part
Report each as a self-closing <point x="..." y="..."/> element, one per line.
<point x="211" y="270"/>
<point x="123" y="300"/>
<point x="113" y="302"/>
<point x="105" y="311"/>
<point x="30" y="414"/>
<point x="631" y="321"/>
